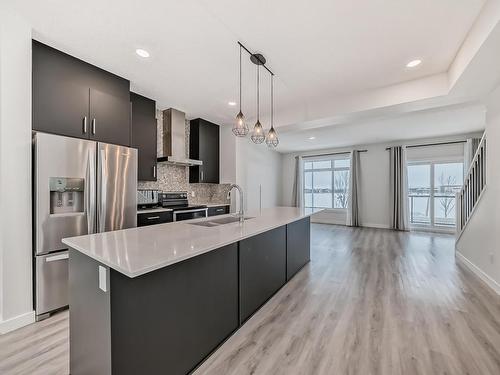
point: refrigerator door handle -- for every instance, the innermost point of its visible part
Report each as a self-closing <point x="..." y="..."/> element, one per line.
<point x="103" y="173"/>
<point x="55" y="258"/>
<point x="90" y="192"/>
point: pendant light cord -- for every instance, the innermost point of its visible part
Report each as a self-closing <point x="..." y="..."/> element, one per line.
<point x="240" y="77"/>
<point x="258" y="96"/>
<point x="272" y="101"/>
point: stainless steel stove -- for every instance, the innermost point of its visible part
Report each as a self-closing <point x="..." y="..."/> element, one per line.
<point x="178" y="202"/>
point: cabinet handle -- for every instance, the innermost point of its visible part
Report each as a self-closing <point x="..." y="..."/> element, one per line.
<point x="85" y="125"/>
<point x="201" y="178"/>
<point x="153" y="217"/>
<point x="154" y="171"/>
<point x="93" y="126"/>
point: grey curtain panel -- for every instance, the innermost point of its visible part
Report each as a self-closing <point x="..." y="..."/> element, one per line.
<point x="471" y="146"/>
<point x="353" y="202"/>
<point x="298" y="184"/>
<point x="398" y="188"/>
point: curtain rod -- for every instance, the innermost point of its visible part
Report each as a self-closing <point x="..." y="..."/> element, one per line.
<point x="332" y="153"/>
<point x="432" y="144"/>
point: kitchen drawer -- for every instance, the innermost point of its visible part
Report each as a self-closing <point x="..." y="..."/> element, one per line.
<point x="152" y="218"/>
<point x="219" y="210"/>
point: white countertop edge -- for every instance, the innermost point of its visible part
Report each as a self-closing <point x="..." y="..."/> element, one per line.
<point x="153" y="210"/>
<point x="160" y="265"/>
<point x="216" y="204"/>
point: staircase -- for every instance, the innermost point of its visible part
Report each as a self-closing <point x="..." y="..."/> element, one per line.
<point x="473" y="188"/>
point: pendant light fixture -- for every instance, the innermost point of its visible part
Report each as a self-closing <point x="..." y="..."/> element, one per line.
<point x="258" y="135"/>
<point x="272" y="136"/>
<point x="240" y="128"/>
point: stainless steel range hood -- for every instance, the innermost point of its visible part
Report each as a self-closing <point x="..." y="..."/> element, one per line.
<point x="174" y="139"/>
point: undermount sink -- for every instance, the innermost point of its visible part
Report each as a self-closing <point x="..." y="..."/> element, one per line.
<point x="220" y="221"/>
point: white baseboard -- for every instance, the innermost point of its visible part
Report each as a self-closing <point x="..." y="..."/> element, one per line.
<point x="342" y="222"/>
<point x="478" y="272"/>
<point x="324" y="220"/>
<point x="375" y="225"/>
<point x="17" y="322"/>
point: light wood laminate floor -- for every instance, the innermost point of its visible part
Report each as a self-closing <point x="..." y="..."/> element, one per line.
<point x="370" y="302"/>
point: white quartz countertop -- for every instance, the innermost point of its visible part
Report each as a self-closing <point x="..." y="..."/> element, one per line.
<point x="163" y="209"/>
<point x="136" y="251"/>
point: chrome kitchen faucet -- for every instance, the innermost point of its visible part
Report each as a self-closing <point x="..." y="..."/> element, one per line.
<point x="241" y="214"/>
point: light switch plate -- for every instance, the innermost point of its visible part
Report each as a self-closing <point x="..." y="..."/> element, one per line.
<point x="103" y="283"/>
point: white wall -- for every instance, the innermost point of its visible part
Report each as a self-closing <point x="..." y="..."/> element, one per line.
<point x="374" y="179"/>
<point x="479" y="245"/>
<point x="256" y="168"/>
<point x="16" y="308"/>
<point x="227" y="155"/>
<point x="258" y="172"/>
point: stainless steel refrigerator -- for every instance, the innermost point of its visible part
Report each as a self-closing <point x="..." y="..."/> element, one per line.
<point x="80" y="187"/>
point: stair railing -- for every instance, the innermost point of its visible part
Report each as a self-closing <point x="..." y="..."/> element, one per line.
<point x="474" y="185"/>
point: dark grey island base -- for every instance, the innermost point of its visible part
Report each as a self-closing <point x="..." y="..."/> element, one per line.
<point x="169" y="320"/>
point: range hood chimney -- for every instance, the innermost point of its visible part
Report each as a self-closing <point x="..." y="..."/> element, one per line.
<point x="174" y="139"/>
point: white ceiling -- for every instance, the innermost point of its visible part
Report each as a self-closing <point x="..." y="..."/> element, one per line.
<point x="452" y="120"/>
<point x="328" y="55"/>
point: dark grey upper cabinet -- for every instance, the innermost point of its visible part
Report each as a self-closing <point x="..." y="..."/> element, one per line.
<point x="60" y="94"/>
<point x="143" y="135"/>
<point x="204" y="146"/>
<point x="109" y="118"/>
<point x="69" y="93"/>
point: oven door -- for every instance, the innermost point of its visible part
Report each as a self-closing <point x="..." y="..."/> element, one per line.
<point x="190" y="214"/>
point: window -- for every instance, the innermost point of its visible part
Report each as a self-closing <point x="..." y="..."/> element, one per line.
<point x="326" y="183"/>
<point x="431" y="192"/>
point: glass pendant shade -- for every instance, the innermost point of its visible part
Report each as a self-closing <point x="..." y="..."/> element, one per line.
<point x="240" y="127"/>
<point x="258" y="135"/>
<point x="272" y="138"/>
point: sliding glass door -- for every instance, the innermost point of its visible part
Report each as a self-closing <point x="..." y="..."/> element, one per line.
<point x="431" y="192"/>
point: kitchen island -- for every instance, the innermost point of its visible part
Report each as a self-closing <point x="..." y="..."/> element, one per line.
<point x="160" y="299"/>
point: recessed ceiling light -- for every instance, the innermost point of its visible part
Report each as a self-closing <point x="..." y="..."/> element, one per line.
<point x="311" y="138"/>
<point x="232" y="104"/>
<point x="414" y="63"/>
<point x="142" y="52"/>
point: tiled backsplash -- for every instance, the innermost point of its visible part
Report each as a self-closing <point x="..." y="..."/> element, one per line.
<point x="170" y="178"/>
<point x="176" y="177"/>
<point x="209" y="193"/>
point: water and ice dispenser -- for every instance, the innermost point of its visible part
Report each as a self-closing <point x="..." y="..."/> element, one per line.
<point x="66" y="195"/>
